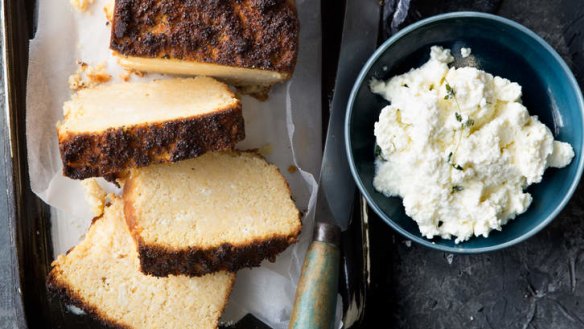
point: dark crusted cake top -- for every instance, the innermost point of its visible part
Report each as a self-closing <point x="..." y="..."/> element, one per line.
<point x="247" y="33"/>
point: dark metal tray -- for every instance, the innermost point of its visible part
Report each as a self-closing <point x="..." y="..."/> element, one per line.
<point x="533" y="285"/>
<point x="27" y="219"/>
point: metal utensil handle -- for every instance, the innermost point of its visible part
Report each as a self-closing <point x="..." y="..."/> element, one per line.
<point x="316" y="294"/>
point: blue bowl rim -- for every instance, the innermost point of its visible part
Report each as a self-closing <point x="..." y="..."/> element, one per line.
<point x="365" y="70"/>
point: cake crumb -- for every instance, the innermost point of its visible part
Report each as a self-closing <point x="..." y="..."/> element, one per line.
<point x="108" y="10"/>
<point x="98" y="73"/>
<point x="137" y="73"/>
<point x="95" y="196"/>
<point x="292" y="169"/>
<point x="125" y="76"/>
<point x="76" y="82"/>
<point x="88" y="76"/>
<point x="81" y="5"/>
<point x="266" y="150"/>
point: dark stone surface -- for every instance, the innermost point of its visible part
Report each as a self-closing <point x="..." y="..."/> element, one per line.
<point x="536" y="284"/>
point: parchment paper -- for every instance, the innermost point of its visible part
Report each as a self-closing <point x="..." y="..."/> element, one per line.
<point x="288" y="123"/>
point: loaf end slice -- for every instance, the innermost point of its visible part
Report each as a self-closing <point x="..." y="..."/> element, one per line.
<point x="109" y="129"/>
<point x="101" y="276"/>
<point x="221" y="211"/>
<point x="251" y="44"/>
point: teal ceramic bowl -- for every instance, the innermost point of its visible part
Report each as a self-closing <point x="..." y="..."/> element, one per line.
<point x="500" y="47"/>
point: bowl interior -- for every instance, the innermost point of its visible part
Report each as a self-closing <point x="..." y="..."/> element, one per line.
<point x="501" y="49"/>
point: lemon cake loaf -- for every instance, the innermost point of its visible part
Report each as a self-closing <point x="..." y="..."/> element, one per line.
<point x="101" y="276"/>
<point x="220" y="211"/>
<point x="248" y="43"/>
<point x="108" y="129"/>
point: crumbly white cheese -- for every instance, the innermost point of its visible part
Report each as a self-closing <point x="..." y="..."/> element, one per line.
<point x="465" y="52"/>
<point x="460" y="149"/>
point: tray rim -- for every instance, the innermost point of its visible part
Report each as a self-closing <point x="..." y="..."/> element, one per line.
<point x="12" y="29"/>
<point x="7" y="152"/>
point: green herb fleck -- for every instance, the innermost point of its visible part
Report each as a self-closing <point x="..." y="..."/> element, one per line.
<point x="458" y="116"/>
<point x="406" y="85"/>
<point x="449" y="92"/>
<point x="457" y="167"/>
<point x="449" y="157"/>
<point x="377" y="151"/>
<point x="469" y="123"/>
<point x="431" y="87"/>
<point x="457" y="188"/>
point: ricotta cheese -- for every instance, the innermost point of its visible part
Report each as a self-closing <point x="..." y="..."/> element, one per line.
<point x="460" y="148"/>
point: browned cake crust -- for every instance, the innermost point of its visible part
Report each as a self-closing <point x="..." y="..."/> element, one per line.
<point x="162" y="261"/>
<point x="107" y="153"/>
<point x="69" y="297"/>
<point x="259" y="34"/>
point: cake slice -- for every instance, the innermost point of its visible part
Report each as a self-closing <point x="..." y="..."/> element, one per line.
<point x="221" y="211"/>
<point x="101" y="276"/>
<point x="108" y="129"/>
<point x="249" y="43"/>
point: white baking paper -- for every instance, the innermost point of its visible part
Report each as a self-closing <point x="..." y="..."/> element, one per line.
<point x="288" y="124"/>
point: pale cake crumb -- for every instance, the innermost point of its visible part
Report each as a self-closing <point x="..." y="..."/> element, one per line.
<point x="88" y="76"/>
<point x="81" y="5"/>
<point x="76" y="82"/>
<point x="127" y="74"/>
<point x="98" y="73"/>
<point x="108" y="10"/>
<point x="137" y="73"/>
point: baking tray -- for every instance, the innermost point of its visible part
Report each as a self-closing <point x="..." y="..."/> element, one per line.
<point x="536" y="284"/>
<point x="29" y="218"/>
